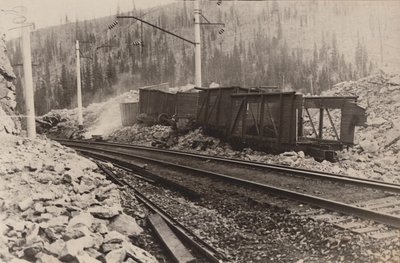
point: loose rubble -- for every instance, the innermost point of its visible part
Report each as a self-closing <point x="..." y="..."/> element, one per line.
<point x="57" y="208"/>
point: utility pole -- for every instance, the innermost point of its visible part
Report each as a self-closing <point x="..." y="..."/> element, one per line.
<point x="78" y="85"/>
<point x="28" y="80"/>
<point x="312" y="85"/>
<point x="197" y="40"/>
<point x="141" y="44"/>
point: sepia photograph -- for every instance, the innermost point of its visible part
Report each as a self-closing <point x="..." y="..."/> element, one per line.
<point x="182" y="131"/>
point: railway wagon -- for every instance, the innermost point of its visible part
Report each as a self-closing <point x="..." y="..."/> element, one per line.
<point x="274" y="121"/>
<point x="129" y="112"/>
<point x="160" y="104"/>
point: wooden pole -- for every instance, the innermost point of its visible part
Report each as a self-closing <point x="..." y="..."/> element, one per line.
<point x="197" y="41"/>
<point x="28" y="80"/>
<point x="78" y="85"/>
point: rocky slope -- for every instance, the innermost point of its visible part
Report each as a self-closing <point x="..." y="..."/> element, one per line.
<point x="57" y="208"/>
<point x="378" y="142"/>
<point x="8" y="122"/>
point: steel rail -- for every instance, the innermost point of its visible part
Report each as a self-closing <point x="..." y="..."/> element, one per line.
<point x="197" y="243"/>
<point x="374" y="184"/>
<point x="352" y="210"/>
<point x="152" y="181"/>
<point x="143" y="174"/>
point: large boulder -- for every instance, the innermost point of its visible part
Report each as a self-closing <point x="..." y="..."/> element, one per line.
<point x="126" y="225"/>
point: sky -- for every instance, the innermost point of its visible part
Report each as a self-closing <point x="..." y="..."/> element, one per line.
<point x="52" y="12"/>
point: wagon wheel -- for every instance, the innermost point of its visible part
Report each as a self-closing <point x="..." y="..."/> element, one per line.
<point x="163" y="118"/>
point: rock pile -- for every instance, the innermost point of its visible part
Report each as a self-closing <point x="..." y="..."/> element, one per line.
<point x="60" y="123"/>
<point x="56" y="208"/>
<point x="99" y="119"/>
<point x="380" y="95"/>
<point x="378" y="142"/>
<point x="9" y="123"/>
<point x="156" y="135"/>
<point x="165" y="137"/>
<point x="197" y="141"/>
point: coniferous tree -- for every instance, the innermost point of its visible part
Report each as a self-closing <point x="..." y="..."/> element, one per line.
<point x="335" y="55"/>
<point x="98" y="82"/>
<point x="111" y="75"/>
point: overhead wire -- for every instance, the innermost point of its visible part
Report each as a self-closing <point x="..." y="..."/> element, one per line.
<point x="114" y="25"/>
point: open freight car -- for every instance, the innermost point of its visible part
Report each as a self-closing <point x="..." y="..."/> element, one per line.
<point x="165" y="105"/>
<point x="274" y="121"/>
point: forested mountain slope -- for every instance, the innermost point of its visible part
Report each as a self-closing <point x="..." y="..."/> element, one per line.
<point x="302" y="45"/>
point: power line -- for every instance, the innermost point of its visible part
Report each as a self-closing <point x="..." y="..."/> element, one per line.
<point x="159" y="28"/>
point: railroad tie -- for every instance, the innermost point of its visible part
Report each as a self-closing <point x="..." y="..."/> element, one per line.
<point x="177" y="250"/>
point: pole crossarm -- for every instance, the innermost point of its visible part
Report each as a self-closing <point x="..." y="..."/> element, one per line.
<point x="99" y="47"/>
<point x="213" y="24"/>
<point x="82" y="56"/>
<point x="159" y="28"/>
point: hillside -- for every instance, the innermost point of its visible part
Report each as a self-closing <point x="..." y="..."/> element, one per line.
<point x="303" y="45"/>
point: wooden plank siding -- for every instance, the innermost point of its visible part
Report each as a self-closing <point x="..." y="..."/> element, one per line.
<point x="156" y="102"/>
<point x="266" y="115"/>
<point x="129" y="113"/>
<point x="214" y="110"/>
<point x="186" y="104"/>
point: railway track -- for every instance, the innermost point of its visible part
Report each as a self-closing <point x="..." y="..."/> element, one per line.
<point x="190" y="239"/>
<point x="385" y="209"/>
<point x="272" y="167"/>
